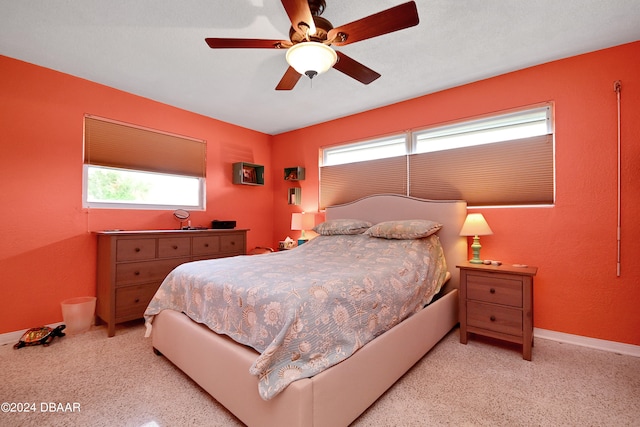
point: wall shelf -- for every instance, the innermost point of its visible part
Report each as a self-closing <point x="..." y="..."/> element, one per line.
<point x="248" y="174"/>
<point x="294" y="174"/>
<point x="294" y="196"/>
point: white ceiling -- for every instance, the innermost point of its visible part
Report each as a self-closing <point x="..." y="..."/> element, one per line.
<point x="156" y="49"/>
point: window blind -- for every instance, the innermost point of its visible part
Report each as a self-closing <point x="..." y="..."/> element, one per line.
<point x="504" y="173"/>
<point x="114" y="144"/>
<point x="347" y="182"/>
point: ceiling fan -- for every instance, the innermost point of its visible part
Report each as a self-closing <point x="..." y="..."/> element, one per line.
<point x="310" y="38"/>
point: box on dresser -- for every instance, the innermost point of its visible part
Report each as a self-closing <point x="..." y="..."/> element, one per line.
<point x="133" y="264"/>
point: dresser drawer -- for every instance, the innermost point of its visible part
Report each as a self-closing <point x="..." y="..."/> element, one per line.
<point x="494" y="289"/>
<point x="135" y="249"/>
<point x="233" y="243"/>
<point x="206" y="245"/>
<point x="132" y="301"/>
<point x="141" y="272"/>
<point x="174" y="247"/>
<point x="494" y="318"/>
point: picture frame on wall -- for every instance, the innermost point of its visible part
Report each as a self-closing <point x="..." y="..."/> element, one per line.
<point x="249" y="174"/>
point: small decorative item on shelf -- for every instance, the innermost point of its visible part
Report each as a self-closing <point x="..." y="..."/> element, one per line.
<point x="294" y="196"/>
<point x="294" y="174"/>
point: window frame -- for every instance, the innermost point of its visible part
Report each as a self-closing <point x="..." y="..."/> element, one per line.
<point x="125" y="147"/>
<point x="201" y="206"/>
<point x="483" y="124"/>
<point x="368" y="144"/>
<point x="522" y="194"/>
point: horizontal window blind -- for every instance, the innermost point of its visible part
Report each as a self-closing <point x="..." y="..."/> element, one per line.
<point x="119" y="145"/>
<point x="504" y="173"/>
<point x="348" y="182"/>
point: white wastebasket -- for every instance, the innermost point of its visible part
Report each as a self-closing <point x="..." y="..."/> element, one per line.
<point x="77" y="314"/>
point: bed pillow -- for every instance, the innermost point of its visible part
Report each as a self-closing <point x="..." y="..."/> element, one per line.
<point x="342" y="226"/>
<point x="407" y="229"/>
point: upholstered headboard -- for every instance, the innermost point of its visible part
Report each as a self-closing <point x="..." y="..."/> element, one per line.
<point x="387" y="207"/>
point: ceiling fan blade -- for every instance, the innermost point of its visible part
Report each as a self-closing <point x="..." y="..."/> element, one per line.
<point x="387" y="21"/>
<point x="215" y="43"/>
<point x="299" y="12"/>
<point x="289" y="80"/>
<point x="354" y="69"/>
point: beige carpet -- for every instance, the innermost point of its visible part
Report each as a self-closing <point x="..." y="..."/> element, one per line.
<point x="118" y="381"/>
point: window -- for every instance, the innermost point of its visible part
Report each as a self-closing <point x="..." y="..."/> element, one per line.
<point x="505" y="159"/>
<point x="122" y="188"/>
<point x="137" y="168"/>
<point x="501" y="160"/>
<point x="506" y="127"/>
<point x="352" y="171"/>
<point x="362" y="151"/>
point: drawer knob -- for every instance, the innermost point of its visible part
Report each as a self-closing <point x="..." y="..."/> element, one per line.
<point x="137" y="300"/>
<point x="493" y="291"/>
<point x="492" y="318"/>
<point x="175" y="246"/>
<point x="137" y="249"/>
<point x="206" y="245"/>
<point x="136" y="273"/>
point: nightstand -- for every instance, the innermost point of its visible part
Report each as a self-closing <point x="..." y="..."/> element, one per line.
<point x="497" y="302"/>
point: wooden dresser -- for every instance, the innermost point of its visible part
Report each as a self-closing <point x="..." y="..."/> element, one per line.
<point x="133" y="264"/>
<point x="497" y="302"/>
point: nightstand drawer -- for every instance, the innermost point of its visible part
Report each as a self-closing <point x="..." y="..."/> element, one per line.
<point x="494" y="318"/>
<point x="495" y="290"/>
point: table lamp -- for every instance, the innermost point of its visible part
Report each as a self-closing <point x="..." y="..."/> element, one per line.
<point x="475" y="225"/>
<point x="302" y="221"/>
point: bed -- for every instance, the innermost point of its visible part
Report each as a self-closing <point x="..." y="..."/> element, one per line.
<point x="338" y="394"/>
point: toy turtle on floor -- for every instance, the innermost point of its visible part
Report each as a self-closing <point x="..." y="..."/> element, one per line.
<point x="42" y="335"/>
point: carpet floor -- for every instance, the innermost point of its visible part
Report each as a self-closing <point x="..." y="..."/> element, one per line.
<point x="91" y="380"/>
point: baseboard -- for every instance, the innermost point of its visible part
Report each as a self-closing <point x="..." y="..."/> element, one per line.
<point x="14" y="337"/>
<point x="611" y="346"/>
<point x="598" y="344"/>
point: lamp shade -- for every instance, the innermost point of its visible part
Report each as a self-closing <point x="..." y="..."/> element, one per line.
<point x="302" y="221"/>
<point x="311" y="58"/>
<point x="475" y="225"/>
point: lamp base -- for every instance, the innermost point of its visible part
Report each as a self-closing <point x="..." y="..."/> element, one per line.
<point x="475" y="248"/>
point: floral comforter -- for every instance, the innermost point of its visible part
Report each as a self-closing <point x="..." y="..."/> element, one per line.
<point x="309" y="308"/>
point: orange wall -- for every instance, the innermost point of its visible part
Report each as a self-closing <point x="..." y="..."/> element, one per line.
<point x="574" y="242"/>
<point x="47" y="251"/>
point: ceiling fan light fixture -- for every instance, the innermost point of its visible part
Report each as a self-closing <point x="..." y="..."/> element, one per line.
<point x="311" y="58"/>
